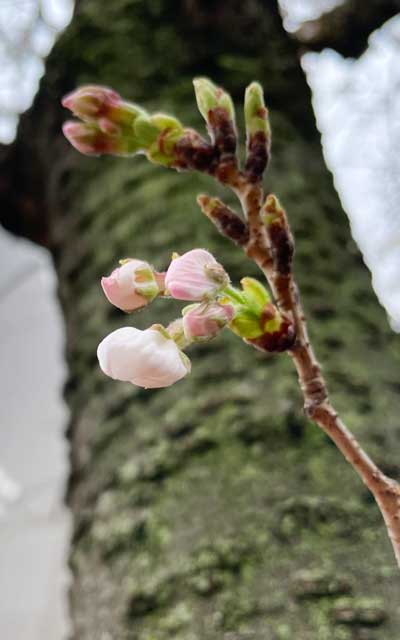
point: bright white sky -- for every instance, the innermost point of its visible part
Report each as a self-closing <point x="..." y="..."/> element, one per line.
<point x="28" y="29"/>
<point x="357" y="105"/>
<point x="298" y="11"/>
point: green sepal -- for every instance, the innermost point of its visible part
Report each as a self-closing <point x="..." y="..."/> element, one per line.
<point x="146" y="133"/>
<point x="126" y="113"/>
<point x="145" y="282"/>
<point x="246" y="323"/>
<point x="162" y="151"/>
<point x="232" y="295"/>
<point x="161" y="329"/>
<point x="256" y="295"/>
<point x="163" y="121"/>
<point x="129" y="146"/>
<point x="148" y="290"/>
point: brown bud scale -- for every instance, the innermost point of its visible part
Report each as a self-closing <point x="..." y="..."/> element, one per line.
<point x="277" y="341"/>
<point x="222" y="129"/>
<point x="282" y="246"/>
<point x="230" y="225"/>
<point x="193" y="152"/>
<point x="257" y="156"/>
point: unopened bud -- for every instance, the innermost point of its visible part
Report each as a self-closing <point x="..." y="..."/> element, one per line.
<point x="196" y="276"/>
<point x="148" y="359"/>
<point x="111" y="125"/>
<point x="90" y="140"/>
<point x="202" y="322"/>
<point x="132" y="285"/>
<point x="92" y="102"/>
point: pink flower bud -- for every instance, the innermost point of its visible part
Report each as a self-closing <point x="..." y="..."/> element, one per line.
<point x="147" y="358"/>
<point x="196" y="275"/>
<point x="202" y="322"/>
<point x="91" y="102"/>
<point x="90" y="140"/>
<point x="133" y="285"/>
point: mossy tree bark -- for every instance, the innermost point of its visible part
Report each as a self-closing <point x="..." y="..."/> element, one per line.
<point x="212" y="507"/>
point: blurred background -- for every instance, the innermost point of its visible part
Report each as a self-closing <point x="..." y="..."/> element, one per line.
<point x="212" y="509"/>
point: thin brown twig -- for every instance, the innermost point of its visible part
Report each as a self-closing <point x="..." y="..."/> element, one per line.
<point x="258" y="245"/>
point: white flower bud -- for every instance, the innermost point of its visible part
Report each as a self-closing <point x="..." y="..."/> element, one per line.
<point x="147" y="358"/>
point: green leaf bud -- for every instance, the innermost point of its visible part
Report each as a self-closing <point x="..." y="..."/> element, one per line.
<point x="255" y="111"/>
<point x="209" y="97"/>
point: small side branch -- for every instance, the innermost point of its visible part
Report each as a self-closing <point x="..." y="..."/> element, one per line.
<point x="227" y="221"/>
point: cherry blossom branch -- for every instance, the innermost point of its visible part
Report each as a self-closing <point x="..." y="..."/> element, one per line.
<point x="154" y="357"/>
<point x="267" y="240"/>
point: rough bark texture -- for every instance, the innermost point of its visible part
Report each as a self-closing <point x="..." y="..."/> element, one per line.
<point x="211" y="509"/>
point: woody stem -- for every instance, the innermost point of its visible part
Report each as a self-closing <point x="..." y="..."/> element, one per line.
<point x="317" y="405"/>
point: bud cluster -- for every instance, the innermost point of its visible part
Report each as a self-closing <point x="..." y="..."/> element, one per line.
<point x="154" y="357"/>
<point x="110" y="125"/>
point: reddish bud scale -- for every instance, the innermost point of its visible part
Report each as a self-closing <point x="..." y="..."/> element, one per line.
<point x="282" y="245"/>
<point x="222" y="130"/>
<point x="258" y="154"/>
<point x="193" y="152"/>
<point x="226" y="221"/>
<point x="269" y="313"/>
<point x="279" y="234"/>
<point x="277" y="341"/>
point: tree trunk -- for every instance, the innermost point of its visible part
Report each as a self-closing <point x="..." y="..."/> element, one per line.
<point x="212" y="507"/>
